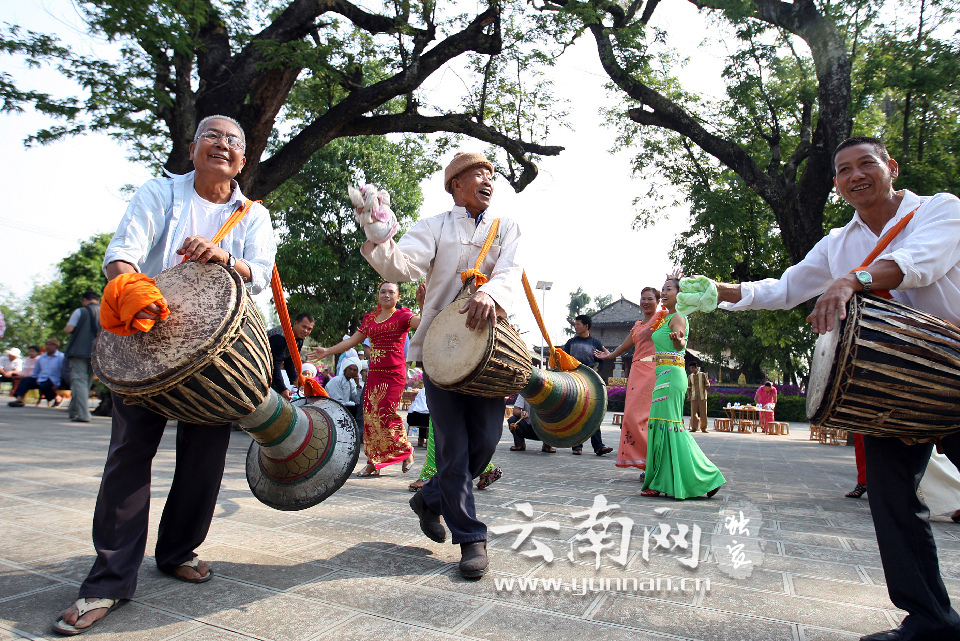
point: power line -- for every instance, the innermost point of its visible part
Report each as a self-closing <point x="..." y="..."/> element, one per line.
<point x="34" y="229"/>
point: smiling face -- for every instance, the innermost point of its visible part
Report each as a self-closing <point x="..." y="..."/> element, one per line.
<point x="649" y="301"/>
<point x="668" y="294"/>
<point x="302" y="328"/>
<point x="473" y="189"/>
<point x="864" y="178"/>
<point x="388" y="296"/>
<point x="217" y="159"/>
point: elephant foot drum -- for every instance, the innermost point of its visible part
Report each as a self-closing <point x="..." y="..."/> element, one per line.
<point x="492" y="362"/>
<point x="209" y="362"/>
<point x="887" y="370"/>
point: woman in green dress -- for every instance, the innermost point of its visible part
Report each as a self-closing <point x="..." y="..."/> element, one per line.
<point x="675" y="464"/>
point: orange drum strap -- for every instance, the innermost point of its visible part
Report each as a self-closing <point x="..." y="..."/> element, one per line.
<point x="479" y="278"/>
<point x="881" y="245"/>
<point x="231" y="222"/>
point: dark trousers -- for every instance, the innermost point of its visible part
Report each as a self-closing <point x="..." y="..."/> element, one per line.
<point x="595" y="440"/>
<point x="123" y="505"/>
<point x="521" y="429"/>
<point x="466" y="430"/>
<point x="902" y="524"/>
<point x="422" y="421"/>
<point x="29" y="383"/>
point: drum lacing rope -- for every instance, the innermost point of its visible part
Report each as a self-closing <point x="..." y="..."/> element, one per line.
<point x="566" y="362"/>
<point x="309" y="386"/>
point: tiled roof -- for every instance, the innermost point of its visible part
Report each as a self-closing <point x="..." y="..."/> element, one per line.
<point x="619" y="312"/>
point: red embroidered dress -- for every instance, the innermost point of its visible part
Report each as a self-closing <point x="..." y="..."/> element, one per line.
<point x="384" y="438"/>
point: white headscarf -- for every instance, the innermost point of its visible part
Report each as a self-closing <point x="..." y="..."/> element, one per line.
<point x="309" y="369"/>
<point x="347" y="362"/>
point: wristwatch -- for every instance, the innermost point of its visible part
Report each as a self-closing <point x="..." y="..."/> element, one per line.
<point x="232" y="261"/>
<point x="865" y="279"/>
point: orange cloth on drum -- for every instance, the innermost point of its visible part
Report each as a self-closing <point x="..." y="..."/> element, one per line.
<point x="312" y="387"/>
<point x="567" y="363"/>
<point x="123" y="298"/>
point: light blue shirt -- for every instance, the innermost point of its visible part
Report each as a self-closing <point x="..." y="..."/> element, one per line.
<point x="156" y="215"/>
<point x="48" y="368"/>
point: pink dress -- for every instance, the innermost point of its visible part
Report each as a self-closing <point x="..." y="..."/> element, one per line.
<point x="384" y="438"/>
<point x="636" y="406"/>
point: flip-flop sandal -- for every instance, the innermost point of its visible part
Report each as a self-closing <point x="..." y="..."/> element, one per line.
<point x="413" y="487"/>
<point x="193" y="563"/>
<point x="521" y="448"/>
<point x="62" y="627"/>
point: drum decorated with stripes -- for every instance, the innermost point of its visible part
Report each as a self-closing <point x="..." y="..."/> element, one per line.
<point x="887" y="370"/>
<point x="208" y="362"/>
<point x="566" y="408"/>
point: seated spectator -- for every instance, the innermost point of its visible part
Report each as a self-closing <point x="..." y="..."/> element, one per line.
<point x="418" y="415"/>
<point x="10" y="366"/>
<point x="522" y="429"/>
<point x="46" y="376"/>
<point x="347" y="389"/>
<point x="30" y="362"/>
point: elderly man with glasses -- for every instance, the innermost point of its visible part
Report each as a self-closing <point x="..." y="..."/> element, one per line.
<point x="167" y="220"/>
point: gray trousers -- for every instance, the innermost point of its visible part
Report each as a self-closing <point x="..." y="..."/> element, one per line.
<point x="123" y="505"/>
<point x="80" y="374"/>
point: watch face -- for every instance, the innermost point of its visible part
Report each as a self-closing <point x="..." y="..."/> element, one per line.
<point x="864" y="277"/>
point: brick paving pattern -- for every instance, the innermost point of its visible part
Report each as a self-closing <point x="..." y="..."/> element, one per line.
<point x="357" y="567"/>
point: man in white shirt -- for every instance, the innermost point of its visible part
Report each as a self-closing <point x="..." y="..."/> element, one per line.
<point x="10" y="364"/>
<point x="169" y="219"/>
<point x="921" y="268"/>
<point x="466" y="428"/>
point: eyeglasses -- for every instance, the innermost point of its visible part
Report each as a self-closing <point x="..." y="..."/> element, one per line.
<point x="213" y="137"/>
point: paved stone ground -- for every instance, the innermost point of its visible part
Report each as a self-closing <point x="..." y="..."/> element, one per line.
<point x="357" y="567"/>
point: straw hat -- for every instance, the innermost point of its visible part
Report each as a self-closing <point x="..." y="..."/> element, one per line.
<point x="14" y="351"/>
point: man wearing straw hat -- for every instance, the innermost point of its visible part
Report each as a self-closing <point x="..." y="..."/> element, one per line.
<point x="467" y="428"/>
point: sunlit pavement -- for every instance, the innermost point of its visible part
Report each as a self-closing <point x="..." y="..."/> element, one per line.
<point x="357" y="567"/>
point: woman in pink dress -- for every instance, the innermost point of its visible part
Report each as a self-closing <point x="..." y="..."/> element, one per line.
<point x="384" y="437"/>
<point x="766" y="398"/>
<point x="636" y="407"/>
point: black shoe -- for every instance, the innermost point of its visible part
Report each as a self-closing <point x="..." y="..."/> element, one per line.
<point x="604" y="450"/>
<point x="15" y="404"/>
<point x="473" y="559"/>
<point x="430" y="523"/>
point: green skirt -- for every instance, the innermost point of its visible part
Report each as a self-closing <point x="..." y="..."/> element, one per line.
<point x="676" y="465"/>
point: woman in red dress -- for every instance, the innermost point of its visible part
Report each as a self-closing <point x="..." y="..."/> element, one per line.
<point x="384" y="437"/>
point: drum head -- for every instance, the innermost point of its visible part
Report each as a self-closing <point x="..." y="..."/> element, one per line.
<point x="451" y="352"/>
<point x="334" y="454"/>
<point x="203" y="299"/>
<point x="823" y="368"/>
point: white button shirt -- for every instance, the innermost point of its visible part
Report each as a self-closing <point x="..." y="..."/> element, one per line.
<point x="156" y="215"/>
<point x="439" y="248"/>
<point x="927" y="251"/>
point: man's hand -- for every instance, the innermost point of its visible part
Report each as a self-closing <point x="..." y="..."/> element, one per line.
<point x="421" y="295"/>
<point x="150" y="312"/>
<point x="478" y="309"/>
<point x="286" y="394"/>
<point x="832" y="301"/>
<point x="202" y="250"/>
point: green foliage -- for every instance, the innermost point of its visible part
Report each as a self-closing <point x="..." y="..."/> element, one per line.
<point x="26" y="317"/>
<point x="78" y="272"/>
<point x="580" y="303"/>
<point x="792" y="409"/>
<point x="318" y="255"/>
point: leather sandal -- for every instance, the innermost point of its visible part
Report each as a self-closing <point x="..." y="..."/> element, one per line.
<point x="548" y="449"/>
<point x="649" y="493"/>
<point x="518" y="448"/>
<point x="369" y="470"/>
<point x="407" y="463"/>
<point x="857" y="492"/>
